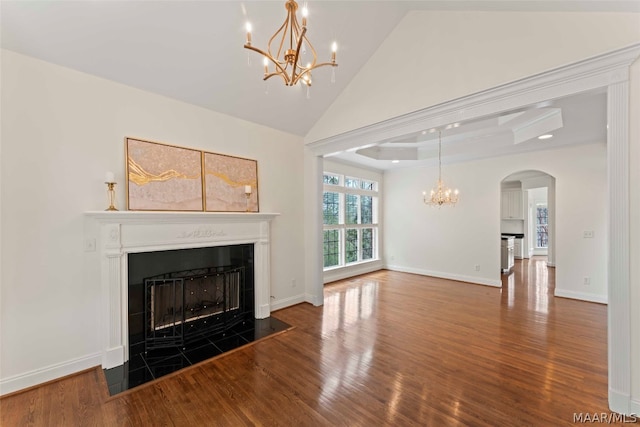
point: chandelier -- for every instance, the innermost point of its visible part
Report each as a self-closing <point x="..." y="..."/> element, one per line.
<point x="291" y="41"/>
<point x="440" y="195"/>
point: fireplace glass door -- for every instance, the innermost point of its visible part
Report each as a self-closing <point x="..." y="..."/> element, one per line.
<point x="184" y="305"/>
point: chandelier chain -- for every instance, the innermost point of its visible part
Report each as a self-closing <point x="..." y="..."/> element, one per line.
<point x="440" y="195"/>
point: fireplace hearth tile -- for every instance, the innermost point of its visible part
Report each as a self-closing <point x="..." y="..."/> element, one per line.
<point x="230" y="342"/>
<point x="204" y="352"/>
<point x="161" y="367"/>
<point x="144" y="367"/>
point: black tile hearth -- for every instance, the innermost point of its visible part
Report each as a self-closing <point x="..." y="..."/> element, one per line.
<point x="144" y="367"/>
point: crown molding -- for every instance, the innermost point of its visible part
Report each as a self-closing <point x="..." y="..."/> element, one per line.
<point x="588" y="74"/>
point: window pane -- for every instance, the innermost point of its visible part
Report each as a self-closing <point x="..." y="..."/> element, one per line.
<point x="351" y="246"/>
<point x="368" y="185"/>
<point x="542" y="233"/>
<point x="331" y="179"/>
<point x="366" y="206"/>
<point x="351" y="213"/>
<point x="351" y="182"/>
<point x="542" y="236"/>
<point x="542" y="215"/>
<point x="367" y="243"/>
<point x="331" y="207"/>
<point x="331" y="248"/>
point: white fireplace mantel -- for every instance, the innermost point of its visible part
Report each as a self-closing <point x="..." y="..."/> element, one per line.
<point x="111" y="235"/>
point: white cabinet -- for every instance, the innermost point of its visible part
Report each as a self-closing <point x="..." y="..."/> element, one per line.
<point x="517" y="248"/>
<point x="506" y="258"/>
<point x="512" y="204"/>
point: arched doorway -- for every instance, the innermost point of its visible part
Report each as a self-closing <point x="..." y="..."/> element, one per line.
<point x="528" y="212"/>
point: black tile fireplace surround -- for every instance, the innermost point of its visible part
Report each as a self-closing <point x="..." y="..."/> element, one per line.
<point x="158" y="346"/>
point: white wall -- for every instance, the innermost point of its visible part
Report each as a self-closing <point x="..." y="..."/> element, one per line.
<point x="436" y="56"/>
<point x="450" y="242"/>
<point x="61" y="131"/>
<point x="373" y="175"/>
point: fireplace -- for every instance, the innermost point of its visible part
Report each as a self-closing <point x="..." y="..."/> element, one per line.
<point x="179" y="296"/>
<point x="123" y="238"/>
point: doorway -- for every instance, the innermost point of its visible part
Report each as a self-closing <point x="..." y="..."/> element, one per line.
<point x="528" y="212"/>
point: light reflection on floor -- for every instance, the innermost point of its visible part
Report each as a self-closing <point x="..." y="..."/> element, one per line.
<point x="345" y="310"/>
<point x="533" y="277"/>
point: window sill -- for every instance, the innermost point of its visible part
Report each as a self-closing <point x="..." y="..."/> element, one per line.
<point x="332" y="274"/>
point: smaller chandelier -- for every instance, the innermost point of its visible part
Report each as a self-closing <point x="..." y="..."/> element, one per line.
<point x="291" y="41"/>
<point x="441" y="194"/>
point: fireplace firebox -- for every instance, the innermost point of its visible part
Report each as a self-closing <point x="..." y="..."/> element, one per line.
<point x="173" y="300"/>
<point x="185" y="305"/>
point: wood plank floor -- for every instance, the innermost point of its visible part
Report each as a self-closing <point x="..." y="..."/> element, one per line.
<point x="386" y="348"/>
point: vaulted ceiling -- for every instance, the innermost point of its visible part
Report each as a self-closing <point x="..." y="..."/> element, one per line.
<point x="193" y="51"/>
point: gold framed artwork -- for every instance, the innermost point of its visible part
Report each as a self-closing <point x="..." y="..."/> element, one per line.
<point x="163" y="177"/>
<point x="231" y="183"/>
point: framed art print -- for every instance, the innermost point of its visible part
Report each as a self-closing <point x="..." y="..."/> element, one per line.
<point x="231" y="183"/>
<point x="163" y="177"/>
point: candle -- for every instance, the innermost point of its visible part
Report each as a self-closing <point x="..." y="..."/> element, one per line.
<point x="334" y="49"/>
<point x="248" y="32"/>
<point x="109" y="177"/>
<point x="247" y="189"/>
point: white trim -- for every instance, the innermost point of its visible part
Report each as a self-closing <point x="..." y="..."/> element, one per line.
<point x="634" y="407"/>
<point x="602" y="299"/>
<point x="621" y="401"/>
<point x="441" y="275"/>
<point x="49" y="373"/>
<point x="286" y="302"/>
<point x="119" y="233"/>
<point x="345" y="272"/>
<point x="618" y="268"/>
<point x="591" y="73"/>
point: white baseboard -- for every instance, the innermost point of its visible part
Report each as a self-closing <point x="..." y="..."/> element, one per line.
<point x="635" y="407"/>
<point x="602" y="299"/>
<point x="312" y="299"/>
<point x="52" y="372"/>
<point x="287" y="302"/>
<point x="441" y="275"/>
<point x="619" y="402"/>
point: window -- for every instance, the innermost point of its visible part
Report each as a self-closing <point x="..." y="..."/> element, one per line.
<point x="331" y="179"/>
<point x="350" y="220"/>
<point x="331" y="248"/>
<point x="542" y="232"/>
<point x="331" y="207"/>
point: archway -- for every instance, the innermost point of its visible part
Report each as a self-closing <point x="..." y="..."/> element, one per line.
<point x="528" y="211"/>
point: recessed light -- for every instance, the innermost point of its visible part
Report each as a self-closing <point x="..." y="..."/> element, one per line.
<point x="395" y="161"/>
<point x="424" y="132"/>
<point x="546" y="136"/>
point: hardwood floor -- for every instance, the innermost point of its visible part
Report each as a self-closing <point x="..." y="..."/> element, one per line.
<point x="387" y="348"/>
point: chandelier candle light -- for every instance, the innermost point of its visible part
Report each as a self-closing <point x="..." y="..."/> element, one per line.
<point x="441" y="195"/>
<point x="292" y="40"/>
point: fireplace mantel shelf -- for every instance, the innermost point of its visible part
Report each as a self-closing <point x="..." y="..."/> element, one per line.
<point x="172" y="216"/>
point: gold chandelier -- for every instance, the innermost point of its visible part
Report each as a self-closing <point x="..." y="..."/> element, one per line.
<point x="441" y="195"/>
<point x="292" y="42"/>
